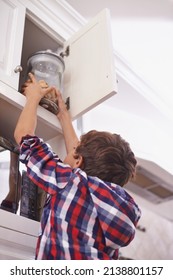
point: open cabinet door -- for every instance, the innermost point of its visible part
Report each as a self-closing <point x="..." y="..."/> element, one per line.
<point x="89" y="76"/>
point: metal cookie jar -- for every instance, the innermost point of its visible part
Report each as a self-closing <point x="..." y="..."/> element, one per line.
<point x="48" y="68"/>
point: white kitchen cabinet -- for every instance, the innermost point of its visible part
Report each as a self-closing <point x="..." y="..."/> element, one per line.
<point x="12" y="18"/>
<point x="18" y="236"/>
<point x="89" y="76"/>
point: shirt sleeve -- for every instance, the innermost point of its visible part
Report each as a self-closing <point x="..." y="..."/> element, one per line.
<point x="44" y="167"/>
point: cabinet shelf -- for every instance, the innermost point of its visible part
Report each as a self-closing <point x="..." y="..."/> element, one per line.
<point x="11" y="104"/>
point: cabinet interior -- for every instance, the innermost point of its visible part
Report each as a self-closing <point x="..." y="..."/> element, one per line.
<point x="35" y="39"/>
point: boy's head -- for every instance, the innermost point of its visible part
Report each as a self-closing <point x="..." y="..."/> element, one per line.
<point x="107" y="156"/>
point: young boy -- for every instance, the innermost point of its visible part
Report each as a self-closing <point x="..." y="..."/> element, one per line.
<point x="87" y="215"/>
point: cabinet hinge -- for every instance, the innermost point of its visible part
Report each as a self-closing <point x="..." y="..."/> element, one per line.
<point x="67" y="102"/>
<point x="66" y="52"/>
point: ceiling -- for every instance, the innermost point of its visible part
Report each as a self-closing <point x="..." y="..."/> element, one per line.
<point x="142" y="33"/>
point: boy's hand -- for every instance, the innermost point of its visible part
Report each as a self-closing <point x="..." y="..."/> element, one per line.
<point x="70" y="137"/>
<point x="32" y="89"/>
<point x="62" y="107"/>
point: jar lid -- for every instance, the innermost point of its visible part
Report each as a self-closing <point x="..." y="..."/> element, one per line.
<point x="48" y="52"/>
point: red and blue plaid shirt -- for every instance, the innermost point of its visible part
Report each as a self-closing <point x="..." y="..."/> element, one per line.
<point x="84" y="218"/>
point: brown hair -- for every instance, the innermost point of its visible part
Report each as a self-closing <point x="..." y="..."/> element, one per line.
<point x="107" y="156"/>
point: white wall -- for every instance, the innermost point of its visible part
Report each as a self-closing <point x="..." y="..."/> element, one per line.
<point x="148" y="139"/>
<point x="156" y="243"/>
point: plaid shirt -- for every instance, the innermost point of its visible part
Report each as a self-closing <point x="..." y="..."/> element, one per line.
<point x="84" y="217"/>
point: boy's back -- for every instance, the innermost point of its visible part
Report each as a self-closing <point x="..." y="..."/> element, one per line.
<point x="84" y="217"/>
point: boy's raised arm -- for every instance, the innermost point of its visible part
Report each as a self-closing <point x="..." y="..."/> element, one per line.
<point x="28" y="118"/>
<point x="70" y="136"/>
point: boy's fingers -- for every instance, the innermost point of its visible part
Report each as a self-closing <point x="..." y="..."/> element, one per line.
<point x="47" y="90"/>
<point x="58" y="93"/>
<point x="32" y="77"/>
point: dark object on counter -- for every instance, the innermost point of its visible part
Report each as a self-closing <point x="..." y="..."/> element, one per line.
<point x="28" y="204"/>
<point x="32" y="199"/>
<point x="9" y="206"/>
<point x="6" y="144"/>
<point x="10" y="202"/>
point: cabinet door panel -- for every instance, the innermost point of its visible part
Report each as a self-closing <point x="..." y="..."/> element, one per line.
<point x="89" y="77"/>
<point x="12" y="18"/>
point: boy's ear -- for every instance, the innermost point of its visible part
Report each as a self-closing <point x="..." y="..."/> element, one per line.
<point x="78" y="161"/>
